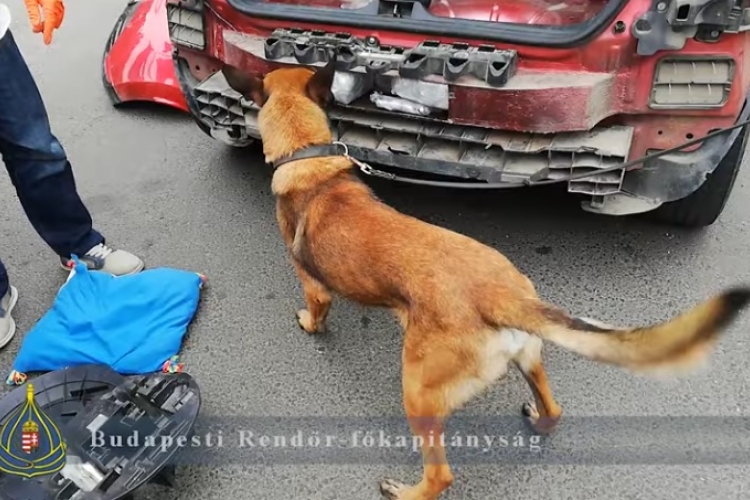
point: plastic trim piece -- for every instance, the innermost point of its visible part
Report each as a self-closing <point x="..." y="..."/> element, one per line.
<point x="694" y="81"/>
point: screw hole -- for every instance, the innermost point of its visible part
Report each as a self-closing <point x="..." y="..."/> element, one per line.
<point x="642" y="26"/>
<point x="197" y="68"/>
<point x="660" y="132"/>
<point x="689" y="136"/>
<point x="619" y="27"/>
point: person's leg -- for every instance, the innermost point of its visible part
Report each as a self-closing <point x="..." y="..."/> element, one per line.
<point x="42" y="174"/>
<point x="8" y="298"/>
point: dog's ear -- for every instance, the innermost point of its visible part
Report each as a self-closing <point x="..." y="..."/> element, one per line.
<point x="250" y="86"/>
<point x="319" y="86"/>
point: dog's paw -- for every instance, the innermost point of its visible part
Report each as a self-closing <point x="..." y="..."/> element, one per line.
<point x="542" y="425"/>
<point x="305" y="321"/>
<point x="393" y="490"/>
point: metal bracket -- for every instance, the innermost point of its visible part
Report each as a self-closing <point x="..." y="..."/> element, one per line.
<point x="668" y="24"/>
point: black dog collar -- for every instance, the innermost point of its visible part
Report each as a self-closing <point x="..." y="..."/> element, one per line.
<point x="319" y="151"/>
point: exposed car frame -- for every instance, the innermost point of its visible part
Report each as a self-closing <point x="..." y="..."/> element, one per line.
<point x="600" y="84"/>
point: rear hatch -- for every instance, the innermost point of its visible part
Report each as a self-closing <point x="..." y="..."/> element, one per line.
<point x="552" y="23"/>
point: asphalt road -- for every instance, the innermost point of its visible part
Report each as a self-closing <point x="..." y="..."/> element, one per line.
<point x="157" y="186"/>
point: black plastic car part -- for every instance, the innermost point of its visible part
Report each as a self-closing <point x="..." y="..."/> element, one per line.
<point x="91" y="405"/>
<point x="451" y="61"/>
<point x="669" y="24"/>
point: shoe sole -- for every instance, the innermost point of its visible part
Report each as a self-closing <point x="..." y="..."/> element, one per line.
<point x="136" y="271"/>
<point x="12" y="332"/>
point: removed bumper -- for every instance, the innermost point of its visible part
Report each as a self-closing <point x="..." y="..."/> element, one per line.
<point x="137" y="63"/>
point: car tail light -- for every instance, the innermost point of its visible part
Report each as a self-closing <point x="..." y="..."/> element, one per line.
<point x="692" y="82"/>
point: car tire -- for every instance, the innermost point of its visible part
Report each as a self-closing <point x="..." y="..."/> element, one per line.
<point x="703" y="207"/>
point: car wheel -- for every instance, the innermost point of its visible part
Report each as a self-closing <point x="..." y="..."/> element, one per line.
<point x="703" y="207"/>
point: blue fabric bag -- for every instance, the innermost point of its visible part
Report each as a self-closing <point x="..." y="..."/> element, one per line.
<point x="133" y="324"/>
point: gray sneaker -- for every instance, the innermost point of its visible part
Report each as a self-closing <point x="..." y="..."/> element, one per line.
<point x="103" y="258"/>
<point x="7" y="325"/>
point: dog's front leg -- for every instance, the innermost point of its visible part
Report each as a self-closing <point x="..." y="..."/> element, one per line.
<point x="318" y="301"/>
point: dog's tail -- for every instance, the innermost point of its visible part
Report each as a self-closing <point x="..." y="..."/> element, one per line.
<point x="675" y="345"/>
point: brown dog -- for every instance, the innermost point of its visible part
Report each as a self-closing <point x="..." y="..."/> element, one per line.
<point x="466" y="311"/>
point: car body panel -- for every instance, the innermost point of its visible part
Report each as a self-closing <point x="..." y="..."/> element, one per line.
<point x="137" y="63"/>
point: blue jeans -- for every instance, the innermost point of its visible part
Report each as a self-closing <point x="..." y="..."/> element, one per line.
<point x="37" y="164"/>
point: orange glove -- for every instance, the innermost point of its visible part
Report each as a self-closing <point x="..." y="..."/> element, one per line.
<point x="53" y="12"/>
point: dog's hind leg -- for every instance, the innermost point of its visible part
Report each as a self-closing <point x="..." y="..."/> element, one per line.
<point x="544" y="413"/>
<point x="318" y="301"/>
<point x="431" y="377"/>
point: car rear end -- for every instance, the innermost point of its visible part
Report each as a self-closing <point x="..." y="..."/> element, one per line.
<point x="479" y="90"/>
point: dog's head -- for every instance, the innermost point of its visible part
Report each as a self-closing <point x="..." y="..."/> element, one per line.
<point x="313" y="84"/>
<point x="293" y="103"/>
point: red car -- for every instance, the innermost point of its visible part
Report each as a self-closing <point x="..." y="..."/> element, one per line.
<point x="501" y="92"/>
